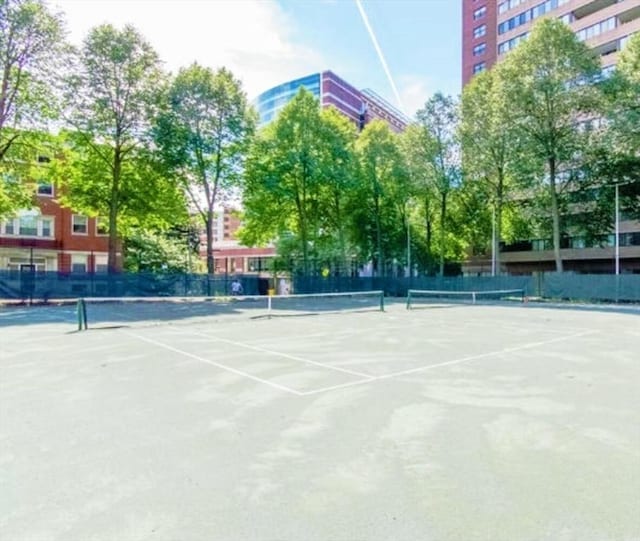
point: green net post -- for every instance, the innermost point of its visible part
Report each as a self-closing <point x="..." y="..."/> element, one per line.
<point x="409" y="299"/>
<point x="82" y="314"/>
<point x="382" y="301"/>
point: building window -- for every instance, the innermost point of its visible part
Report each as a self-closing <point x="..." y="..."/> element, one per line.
<point x="79" y="225"/>
<point x="100" y="264"/>
<point x="480" y="66"/>
<point x="596" y="29"/>
<point x="479" y="49"/>
<point x="8" y="228"/>
<point x="46" y="227"/>
<point x="479" y="13"/>
<point x="102" y="226"/>
<point x="45" y="188"/>
<point x="567" y="19"/>
<point x="28" y="226"/>
<point x="78" y="263"/>
<point x="480" y="31"/>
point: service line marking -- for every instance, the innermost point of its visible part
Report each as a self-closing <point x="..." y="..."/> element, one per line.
<point x="285" y="355"/>
<point x="218" y="365"/>
<point x="449" y="363"/>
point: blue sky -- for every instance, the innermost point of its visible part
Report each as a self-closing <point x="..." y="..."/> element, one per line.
<point x="266" y="42"/>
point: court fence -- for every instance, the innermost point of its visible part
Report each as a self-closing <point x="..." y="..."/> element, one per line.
<point x="45" y="286"/>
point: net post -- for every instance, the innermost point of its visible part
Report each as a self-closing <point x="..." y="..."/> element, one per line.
<point x="81" y="309"/>
<point x="382" y="301"/>
<point x="408" y="299"/>
<point x="269" y="306"/>
<point x="84" y="314"/>
<point x="79" y="313"/>
<point x="473" y="297"/>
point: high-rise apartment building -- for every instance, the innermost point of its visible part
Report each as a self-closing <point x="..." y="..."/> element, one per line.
<point x="360" y="106"/>
<point x="491" y="28"/>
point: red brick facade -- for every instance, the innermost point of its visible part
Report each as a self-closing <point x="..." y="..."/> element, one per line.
<point x="52" y="238"/>
<point x="489" y="54"/>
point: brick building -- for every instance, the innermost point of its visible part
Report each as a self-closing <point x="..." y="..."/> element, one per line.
<point x="49" y="237"/>
<point x="229" y="256"/>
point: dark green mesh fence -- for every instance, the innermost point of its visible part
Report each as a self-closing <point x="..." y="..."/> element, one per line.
<point x="39" y="286"/>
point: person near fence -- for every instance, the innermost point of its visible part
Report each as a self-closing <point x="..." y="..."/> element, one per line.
<point x="236" y="287"/>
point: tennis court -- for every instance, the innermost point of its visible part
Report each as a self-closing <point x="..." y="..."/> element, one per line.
<point x="499" y="421"/>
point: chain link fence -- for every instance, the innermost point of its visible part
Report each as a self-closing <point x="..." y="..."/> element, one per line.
<point x="46" y="286"/>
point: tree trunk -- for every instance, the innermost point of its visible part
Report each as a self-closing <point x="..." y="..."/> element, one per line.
<point x="209" y="225"/>
<point x="443" y="213"/>
<point x="555" y="214"/>
<point x="112" y="263"/>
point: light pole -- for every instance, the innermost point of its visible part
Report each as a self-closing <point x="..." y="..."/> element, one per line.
<point x="409" y="249"/>
<point x="493" y="242"/>
<point x="617" y="241"/>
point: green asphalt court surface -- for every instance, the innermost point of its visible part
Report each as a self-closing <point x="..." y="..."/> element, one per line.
<point x="449" y="423"/>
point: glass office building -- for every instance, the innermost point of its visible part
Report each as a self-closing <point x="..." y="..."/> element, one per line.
<point x="270" y="103"/>
<point x="330" y="90"/>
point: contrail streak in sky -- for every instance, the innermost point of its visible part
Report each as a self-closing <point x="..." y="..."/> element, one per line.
<point x="365" y="19"/>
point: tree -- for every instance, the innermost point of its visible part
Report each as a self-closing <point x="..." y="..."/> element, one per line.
<point x="439" y="118"/>
<point x="491" y="158"/>
<point x="111" y="98"/>
<point x="383" y="194"/>
<point x="548" y="81"/>
<point x="203" y="135"/>
<point x="338" y="185"/>
<point x="31" y="47"/>
<point x="152" y="251"/>
<point x="283" y="176"/>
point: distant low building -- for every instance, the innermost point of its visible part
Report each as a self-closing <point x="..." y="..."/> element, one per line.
<point x="228" y="254"/>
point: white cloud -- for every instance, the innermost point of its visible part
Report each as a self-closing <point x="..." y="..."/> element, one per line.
<point x="414" y="91"/>
<point x="253" y="38"/>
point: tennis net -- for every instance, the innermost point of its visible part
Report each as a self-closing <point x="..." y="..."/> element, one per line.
<point x="418" y="298"/>
<point x="128" y="311"/>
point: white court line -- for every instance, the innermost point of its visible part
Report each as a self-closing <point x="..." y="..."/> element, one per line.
<point x="218" y="365"/>
<point x="448" y="363"/>
<point x="285" y="355"/>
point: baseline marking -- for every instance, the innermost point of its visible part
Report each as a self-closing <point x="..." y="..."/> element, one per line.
<point x="448" y="363"/>
<point x="218" y="365"/>
<point x="285" y="355"/>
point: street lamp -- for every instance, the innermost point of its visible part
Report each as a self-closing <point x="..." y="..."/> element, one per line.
<point x="617" y="245"/>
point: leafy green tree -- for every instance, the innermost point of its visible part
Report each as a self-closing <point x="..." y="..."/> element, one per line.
<point x="31" y="49"/>
<point x="111" y="97"/>
<point x="338" y="184"/>
<point x="383" y="194"/>
<point x="547" y="80"/>
<point x="203" y="135"/>
<point x="417" y="146"/>
<point x="439" y="118"/>
<point x="159" y="251"/>
<point x="283" y="177"/>
<point x="490" y="146"/>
